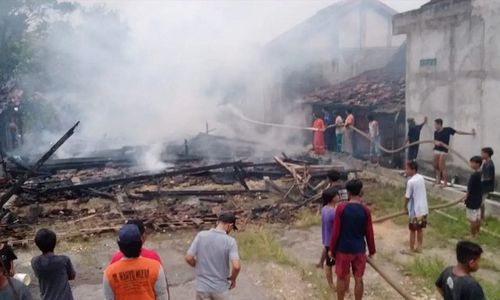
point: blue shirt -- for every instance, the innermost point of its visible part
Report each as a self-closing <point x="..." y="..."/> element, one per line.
<point x="327" y="218"/>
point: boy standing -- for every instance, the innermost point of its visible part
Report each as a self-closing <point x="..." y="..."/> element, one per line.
<point x="474" y="196"/>
<point x="352" y="225"/>
<point x="487" y="176"/>
<point x="455" y="283"/>
<point x="330" y="200"/>
<point x="416" y="205"/>
<point x="374" y="132"/>
<point x="53" y="271"/>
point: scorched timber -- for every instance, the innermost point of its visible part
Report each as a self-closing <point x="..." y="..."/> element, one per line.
<point x="105" y="182"/>
<point x="201" y="193"/>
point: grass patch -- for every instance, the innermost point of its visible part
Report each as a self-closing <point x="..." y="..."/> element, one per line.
<point x="384" y="198"/>
<point x="307" y="218"/>
<point x="446" y="228"/>
<point x="258" y="243"/>
<point x="428" y="268"/>
<point x="491" y="290"/>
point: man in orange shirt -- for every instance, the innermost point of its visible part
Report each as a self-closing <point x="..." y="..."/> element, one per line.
<point x="134" y="277"/>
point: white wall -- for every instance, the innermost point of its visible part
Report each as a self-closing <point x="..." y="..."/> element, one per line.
<point x="464" y="86"/>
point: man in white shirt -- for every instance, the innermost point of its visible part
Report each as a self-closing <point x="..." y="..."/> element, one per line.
<point x="374" y="132"/>
<point x="416" y="205"/>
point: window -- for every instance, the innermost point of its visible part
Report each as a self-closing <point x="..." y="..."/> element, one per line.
<point x="428" y="62"/>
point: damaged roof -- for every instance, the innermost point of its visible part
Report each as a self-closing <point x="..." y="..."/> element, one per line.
<point x="382" y="89"/>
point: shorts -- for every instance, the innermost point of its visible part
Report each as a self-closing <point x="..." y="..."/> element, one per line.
<point x="345" y="261"/>
<point x="212" y="296"/>
<point x="473" y="214"/>
<point x="329" y="261"/>
<point x="417" y="223"/>
<point x="439" y="152"/>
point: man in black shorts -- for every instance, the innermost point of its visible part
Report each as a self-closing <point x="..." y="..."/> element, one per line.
<point x="442" y="137"/>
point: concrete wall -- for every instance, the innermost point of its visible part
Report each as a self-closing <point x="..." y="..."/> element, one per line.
<point x="453" y="71"/>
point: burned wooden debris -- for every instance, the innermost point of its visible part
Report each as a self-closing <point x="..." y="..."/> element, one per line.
<point x="91" y="195"/>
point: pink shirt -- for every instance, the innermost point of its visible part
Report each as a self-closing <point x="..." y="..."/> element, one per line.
<point x="145" y="252"/>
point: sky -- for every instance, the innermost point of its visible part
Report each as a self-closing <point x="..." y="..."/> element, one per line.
<point x="255" y="21"/>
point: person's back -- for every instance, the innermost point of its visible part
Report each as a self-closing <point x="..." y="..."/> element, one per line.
<point x="455" y="283"/>
<point x="418" y="196"/>
<point x="214" y="251"/>
<point x="354" y="220"/>
<point x="456" y="287"/>
<point x="133" y="278"/>
<point x="22" y="291"/>
<point x="10" y="288"/>
<point x="53" y="272"/>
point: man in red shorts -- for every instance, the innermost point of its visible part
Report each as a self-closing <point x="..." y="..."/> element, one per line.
<point x="352" y="225"/>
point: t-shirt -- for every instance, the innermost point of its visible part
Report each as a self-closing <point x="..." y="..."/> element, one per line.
<point x="338" y="122"/>
<point x="416" y="192"/>
<point x="443" y="136"/>
<point x="328" y="119"/>
<point x="459" y="287"/>
<point x="353" y="223"/>
<point x="145" y="252"/>
<point x="327" y="217"/>
<point x="214" y="250"/>
<point x="474" y="191"/>
<point x="54" y="272"/>
<point x="373" y="129"/>
<point x="349" y="120"/>
<point x="488" y="176"/>
<point x="414" y="133"/>
<point x="21" y="290"/>
<point x="135" y="278"/>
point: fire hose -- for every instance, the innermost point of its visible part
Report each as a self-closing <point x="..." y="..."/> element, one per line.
<point x="357" y="130"/>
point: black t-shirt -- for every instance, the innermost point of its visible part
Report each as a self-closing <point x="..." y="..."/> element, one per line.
<point x="444" y="137"/>
<point x="475" y="191"/>
<point x="459" y="287"/>
<point x="414" y="133"/>
<point x="488" y="176"/>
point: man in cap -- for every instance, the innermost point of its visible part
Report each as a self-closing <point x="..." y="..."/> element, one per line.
<point x="10" y="288"/>
<point x="211" y="253"/>
<point x="134" y="277"/>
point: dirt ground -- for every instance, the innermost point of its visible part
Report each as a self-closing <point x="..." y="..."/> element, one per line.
<point x="259" y="280"/>
<point x="267" y="279"/>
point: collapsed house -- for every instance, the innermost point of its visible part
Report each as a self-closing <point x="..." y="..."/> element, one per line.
<point x="83" y="196"/>
<point x="380" y="93"/>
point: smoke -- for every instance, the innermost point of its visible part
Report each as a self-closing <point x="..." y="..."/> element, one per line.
<point x="151" y="72"/>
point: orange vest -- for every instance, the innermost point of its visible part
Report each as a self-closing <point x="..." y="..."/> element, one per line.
<point x="133" y="279"/>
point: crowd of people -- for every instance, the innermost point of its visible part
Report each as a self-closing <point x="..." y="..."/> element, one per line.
<point x="332" y="133"/>
<point x="134" y="272"/>
<point x="347" y="232"/>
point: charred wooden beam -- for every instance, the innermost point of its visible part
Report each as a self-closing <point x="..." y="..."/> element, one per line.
<point x="201" y="193"/>
<point x="104" y="182"/>
<point x="5" y="197"/>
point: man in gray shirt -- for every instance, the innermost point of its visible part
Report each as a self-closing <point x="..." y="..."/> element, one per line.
<point x="211" y="253"/>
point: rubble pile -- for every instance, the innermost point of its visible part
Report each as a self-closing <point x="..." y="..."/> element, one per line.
<point x="84" y="196"/>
